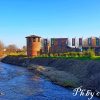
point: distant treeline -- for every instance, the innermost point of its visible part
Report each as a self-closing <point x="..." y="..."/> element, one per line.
<point x="11" y="49"/>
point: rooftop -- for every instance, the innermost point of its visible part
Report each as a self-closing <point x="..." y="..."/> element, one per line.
<point x="33" y="36"/>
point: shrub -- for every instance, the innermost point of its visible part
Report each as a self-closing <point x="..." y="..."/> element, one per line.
<point x="91" y="52"/>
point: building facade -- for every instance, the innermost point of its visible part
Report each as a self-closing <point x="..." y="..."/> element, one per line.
<point x="60" y="45"/>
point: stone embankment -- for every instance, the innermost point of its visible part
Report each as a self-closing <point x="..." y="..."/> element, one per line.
<point x="65" y="72"/>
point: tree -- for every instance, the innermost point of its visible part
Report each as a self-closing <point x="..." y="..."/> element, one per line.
<point x="12" y="48"/>
<point x="24" y="48"/>
<point x="1" y="48"/>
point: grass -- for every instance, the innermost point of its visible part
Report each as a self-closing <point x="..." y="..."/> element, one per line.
<point x="96" y="58"/>
<point x="58" y="57"/>
<point x="76" y="58"/>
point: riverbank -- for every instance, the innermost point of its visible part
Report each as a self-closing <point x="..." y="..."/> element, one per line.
<point x="65" y="72"/>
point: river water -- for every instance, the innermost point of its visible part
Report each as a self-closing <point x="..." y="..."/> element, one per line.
<point x="17" y="83"/>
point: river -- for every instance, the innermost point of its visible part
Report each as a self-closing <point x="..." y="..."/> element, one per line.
<point x="18" y="83"/>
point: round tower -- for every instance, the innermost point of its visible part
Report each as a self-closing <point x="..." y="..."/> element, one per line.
<point x="33" y="45"/>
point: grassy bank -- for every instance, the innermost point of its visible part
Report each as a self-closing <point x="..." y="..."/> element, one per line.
<point x="75" y="58"/>
<point x="66" y="71"/>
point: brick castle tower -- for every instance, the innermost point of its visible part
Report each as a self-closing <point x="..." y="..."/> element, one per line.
<point x="33" y="45"/>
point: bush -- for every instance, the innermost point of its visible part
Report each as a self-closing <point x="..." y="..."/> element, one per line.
<point x="88" y="54"/>
<point x="91" y="53"/>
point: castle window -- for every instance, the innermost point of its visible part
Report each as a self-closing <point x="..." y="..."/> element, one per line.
<point x="38" y="39"/>
<point x="34" y="39"/>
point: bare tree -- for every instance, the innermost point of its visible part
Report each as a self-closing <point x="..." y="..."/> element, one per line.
<point x="12" y="48"/>
<point x="1" y="48"/>
<point x="24" y="48"/>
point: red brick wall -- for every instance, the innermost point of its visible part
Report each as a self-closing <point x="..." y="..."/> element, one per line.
<point x="33" y="47"/>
